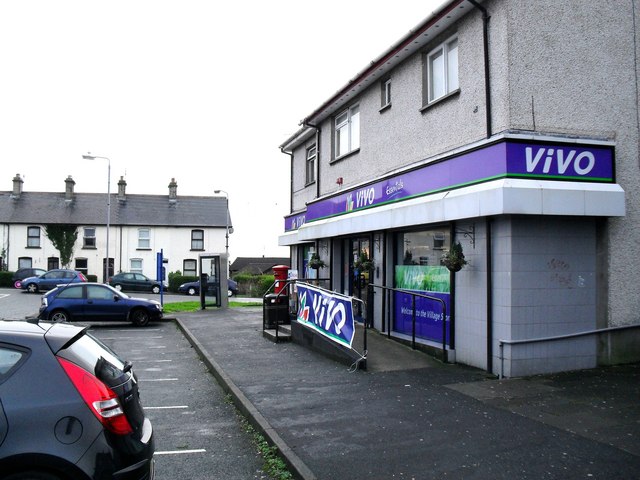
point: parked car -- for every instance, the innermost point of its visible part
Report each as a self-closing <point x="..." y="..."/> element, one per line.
<point x="70" y="407"/>
<point x="51" y="279"/>
<point x="134" y="282"/>
<point x="23" y="273"/>
<point x="193" y="288"/>
<point x="96" y="302"/>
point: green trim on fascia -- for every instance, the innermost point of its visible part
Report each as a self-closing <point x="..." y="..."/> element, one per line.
<point x="561" y="177"/>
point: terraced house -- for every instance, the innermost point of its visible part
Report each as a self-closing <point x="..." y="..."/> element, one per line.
<point x="512" y="128"/>
<point x="140" y="226"/>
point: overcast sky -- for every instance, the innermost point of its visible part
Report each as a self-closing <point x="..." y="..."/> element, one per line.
<point x="200" y="91"/>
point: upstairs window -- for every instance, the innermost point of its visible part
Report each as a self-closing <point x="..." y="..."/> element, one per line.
<point x="33" y="237"/>
<point x="311" y="165"/>
<point x="442" y="70"/>
<point x="347" y="131"/>
<point x="144" y="239"/>
<point x="197" y="239"/>
<point x="89" y="239"/>
<point x="385" y="94"/>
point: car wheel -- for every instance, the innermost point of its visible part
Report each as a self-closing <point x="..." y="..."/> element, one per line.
<point x="32" y="288"/>
<point x="17" y="284"/>
<point x="59" y="316"/>
<point x="155" y="289"/>
<point x="118" y="287"/>
<point x="229" y="293"/>
<point x="140" y="317"/>
<point x="191" y="291"/>
<point x="32" y="476"/>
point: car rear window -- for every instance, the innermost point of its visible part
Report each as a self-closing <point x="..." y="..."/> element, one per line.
<point x="97" y="358"/>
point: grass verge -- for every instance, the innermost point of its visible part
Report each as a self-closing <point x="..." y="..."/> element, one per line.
<point x="177" y="307"/>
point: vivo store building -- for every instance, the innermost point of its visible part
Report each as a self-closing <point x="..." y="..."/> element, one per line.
<point x="529" y="212"/>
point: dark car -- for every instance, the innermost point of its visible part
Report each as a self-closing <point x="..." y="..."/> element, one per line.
<point x="193" y="288"/>
<point x="97" y="302"/>
<point x="51" y="279"/>
<point x="23" y="273"/>
<point x="70" y="407"/>
<point x="135" y="282"/>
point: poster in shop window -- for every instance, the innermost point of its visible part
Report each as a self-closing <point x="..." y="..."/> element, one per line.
<point x="433" y="281"/>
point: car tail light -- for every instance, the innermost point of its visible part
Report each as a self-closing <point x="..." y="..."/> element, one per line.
<point x="101" y="400"/>
<point x="83" y="278"/>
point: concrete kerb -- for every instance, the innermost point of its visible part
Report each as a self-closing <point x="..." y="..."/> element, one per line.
<point x="242" y="403"/>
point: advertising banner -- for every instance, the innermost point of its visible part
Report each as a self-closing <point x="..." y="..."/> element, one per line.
<point x="329" y="313"/>
<point x="433" y="281"/>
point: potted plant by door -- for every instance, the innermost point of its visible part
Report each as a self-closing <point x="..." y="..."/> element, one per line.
<point x="454" y="259"/>
<point x="363" y="263"/>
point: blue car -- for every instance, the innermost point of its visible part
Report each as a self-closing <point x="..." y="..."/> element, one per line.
<point x="51" y="279"/>
<point x="97" y="302"/>
<point x="193" y="288"/>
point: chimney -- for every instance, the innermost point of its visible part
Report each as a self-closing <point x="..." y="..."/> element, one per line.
<point x="122" y="187"/>
<point x="68" y="194"/>
<point x="17" y="186"/>
<point x="173" y="190"/>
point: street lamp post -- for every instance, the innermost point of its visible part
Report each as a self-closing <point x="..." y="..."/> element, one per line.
<point x="226" y="243"/>
<point x="88" y="156"/>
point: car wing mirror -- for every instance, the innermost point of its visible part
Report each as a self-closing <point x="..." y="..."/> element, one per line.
<point x="116" y="298"/>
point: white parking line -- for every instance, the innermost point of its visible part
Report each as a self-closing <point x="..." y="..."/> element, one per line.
<point x="178" y="452"/>
<point x="158" y="379"/>
<point x="167" y="408"/>
<point x="4" y="295"/>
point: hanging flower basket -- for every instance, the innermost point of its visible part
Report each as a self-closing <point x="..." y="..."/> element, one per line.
<point x="363" y="263"/>
<point x="316" y="262"/>
<point x="454" y="260"/>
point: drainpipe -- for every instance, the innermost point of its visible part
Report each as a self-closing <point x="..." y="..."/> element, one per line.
<point x="291" y="178"/>
<point x="485" y="34"/>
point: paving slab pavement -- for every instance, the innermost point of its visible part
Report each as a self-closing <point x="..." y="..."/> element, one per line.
<point x="411" y="417"/>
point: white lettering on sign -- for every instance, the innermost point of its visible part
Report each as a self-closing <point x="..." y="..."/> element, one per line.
<point x="365" y="197"/>
<point x="334" y="311"/>
<point x="581" y="163"/>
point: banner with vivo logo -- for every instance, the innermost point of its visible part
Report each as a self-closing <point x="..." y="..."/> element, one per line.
<point x="328" y="313"/>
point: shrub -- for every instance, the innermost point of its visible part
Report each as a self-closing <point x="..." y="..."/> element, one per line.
<point x="92" y="278"/>
<point x="6" y="279"/>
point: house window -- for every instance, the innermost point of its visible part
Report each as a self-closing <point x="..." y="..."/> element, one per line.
<point x="136" y="265"/>
<point x="385" y="93"/>
<point x="25" y="262"/>
<point x="53" y="263"/>
<point x="144" y="239"/>
<point x="82" y="265"/>
<point x="347" y="131"/>
<point x="89" y="239"/>
<point x="33" y="237"/>
<point x="190" y="268"/>
<point x="311" y="165"/>
<point x="197" y="239"/>
<point x="442" y="70"/>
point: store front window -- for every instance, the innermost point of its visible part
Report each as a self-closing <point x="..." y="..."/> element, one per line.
<point x="418" y="269"/>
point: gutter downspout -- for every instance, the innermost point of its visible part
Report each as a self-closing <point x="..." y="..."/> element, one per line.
<point x="485" y="34"/>
<point x="291" y="178"/>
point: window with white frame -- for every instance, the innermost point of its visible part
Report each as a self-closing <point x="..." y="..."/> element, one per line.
<point x="347" y="131"/>
<point x="311" y="165"/>
<point x="190" y="268"/>
<point x="25" y="262"/>
<point x="197" y="239"/>
<point x="144" y="238"/>
<point x="385" y="93"/>
<point x="442" y="70"/>
<point x="82" y="265"/>
<point x="33" y="237"/>
<point x="89" y="238"/>
<point x="136" y="265"/>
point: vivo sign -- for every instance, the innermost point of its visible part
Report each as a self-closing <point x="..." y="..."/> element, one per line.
<point x="504" y="159"/>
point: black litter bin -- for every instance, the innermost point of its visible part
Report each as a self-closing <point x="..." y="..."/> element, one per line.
<point x="276" y="310"/>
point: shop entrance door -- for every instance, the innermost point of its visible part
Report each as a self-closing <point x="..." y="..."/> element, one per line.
<point x="360" y="269"/>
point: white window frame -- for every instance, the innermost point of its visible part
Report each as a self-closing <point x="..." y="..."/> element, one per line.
<point x="89" y="241"/>
<point x="144" y="242"/>
<point x="310" y="164"/>
<point x="347" y="131"/>
<point x="442" y="70"/>
<point x="386" y="93"/>
<point x="186" y="262"/>
<point x="197" y="241"/>
<point x="33" y="241"/>
<point x="136" y="265"/>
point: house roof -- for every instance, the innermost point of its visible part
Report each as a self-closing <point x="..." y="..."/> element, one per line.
<point x="91" y="209"/>
<point x="257" y="265"/>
